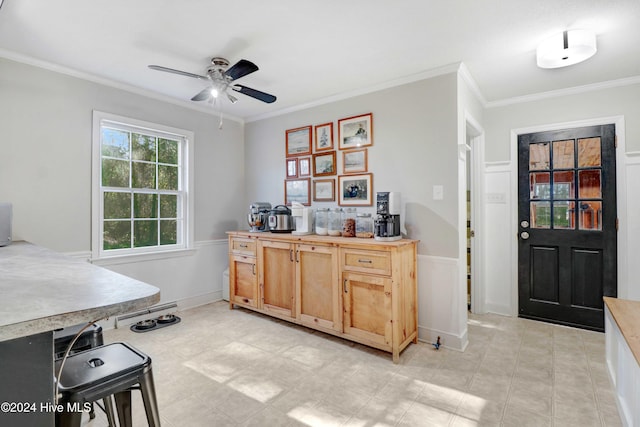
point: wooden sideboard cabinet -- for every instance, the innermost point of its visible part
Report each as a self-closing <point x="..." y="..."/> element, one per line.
<point x="358" y="289"/>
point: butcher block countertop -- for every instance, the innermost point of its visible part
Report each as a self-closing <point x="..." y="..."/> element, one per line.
<point x="626" y="313"/>
<point x="42" y="290"/>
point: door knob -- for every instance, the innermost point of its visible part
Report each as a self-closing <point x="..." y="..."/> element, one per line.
<point x="524" y="224"/>
<point x="524" y="235"/>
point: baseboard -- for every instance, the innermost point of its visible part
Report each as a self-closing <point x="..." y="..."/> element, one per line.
<point x="503" y="310"/>
<point x="197" y="301"/>
<point x="447" y="340"/>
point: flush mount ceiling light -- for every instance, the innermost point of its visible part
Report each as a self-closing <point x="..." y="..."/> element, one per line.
<point x="567" y="48"/>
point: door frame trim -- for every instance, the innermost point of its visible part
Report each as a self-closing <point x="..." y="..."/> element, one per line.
<point x="476" y="171"/>
<point x="621" y="196"/>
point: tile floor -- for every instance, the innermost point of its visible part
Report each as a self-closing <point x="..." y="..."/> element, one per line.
<point x="222" y="367"/>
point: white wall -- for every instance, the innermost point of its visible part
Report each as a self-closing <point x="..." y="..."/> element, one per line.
<point x="45" y="171"/>
<point x="499" y="121"/>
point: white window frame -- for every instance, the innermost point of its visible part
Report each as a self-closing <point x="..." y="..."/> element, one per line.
<point x="186" y="242"/>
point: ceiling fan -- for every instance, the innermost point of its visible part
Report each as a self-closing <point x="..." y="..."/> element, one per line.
<point x="221" y="79"/>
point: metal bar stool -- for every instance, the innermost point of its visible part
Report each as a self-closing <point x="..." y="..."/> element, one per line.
<point x="89" y="338"/>
<point x="102" y="371"/>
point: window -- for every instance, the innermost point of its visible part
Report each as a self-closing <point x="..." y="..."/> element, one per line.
<point x="141" y="187"/>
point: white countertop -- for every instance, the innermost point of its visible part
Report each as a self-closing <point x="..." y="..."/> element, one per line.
<point x="41" y="290"/>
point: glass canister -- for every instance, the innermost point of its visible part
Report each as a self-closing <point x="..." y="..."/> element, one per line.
<point x="349" y="222"/>
<point x="322" y="221"/>
<point x="364" y="225"/>
<point x="335" y="222"/>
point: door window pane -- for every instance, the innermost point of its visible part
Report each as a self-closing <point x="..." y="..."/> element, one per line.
<point x="589" y="184"/>
<point x="563" y="154"/>
<point x="563" y="185"/>
<point x="590" y="215"/>
<point x="539" y="156"/>
<point x="539" y="186"/>
<point x="540" y="214"/>
<point x="589" y="153"/>
<point x="563" y="215"/>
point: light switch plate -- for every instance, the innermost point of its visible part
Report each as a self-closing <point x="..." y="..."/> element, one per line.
<point x="438" y="192"/>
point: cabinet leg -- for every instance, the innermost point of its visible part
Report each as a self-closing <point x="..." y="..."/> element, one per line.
<point x="396" y="356"/>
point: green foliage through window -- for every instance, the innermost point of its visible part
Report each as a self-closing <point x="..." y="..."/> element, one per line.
<point x="141" y="190"/>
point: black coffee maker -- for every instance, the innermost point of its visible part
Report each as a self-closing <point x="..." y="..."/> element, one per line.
<point x="387" y="224"/>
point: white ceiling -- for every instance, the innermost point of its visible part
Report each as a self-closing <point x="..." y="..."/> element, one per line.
<point x="311" y="50"/>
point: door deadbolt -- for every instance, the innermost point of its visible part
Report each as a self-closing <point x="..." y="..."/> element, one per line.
<point x="524" y="224"/>
<point x="524" y="235"/>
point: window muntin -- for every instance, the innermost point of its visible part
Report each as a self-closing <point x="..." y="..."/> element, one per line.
<point x="565" y="184"/>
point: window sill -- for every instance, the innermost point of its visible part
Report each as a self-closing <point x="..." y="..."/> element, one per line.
<point x="149" y="256"/>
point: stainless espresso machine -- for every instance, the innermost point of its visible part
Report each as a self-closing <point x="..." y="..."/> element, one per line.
<point x="387" y="224"/>
<point x="258" y="216"/>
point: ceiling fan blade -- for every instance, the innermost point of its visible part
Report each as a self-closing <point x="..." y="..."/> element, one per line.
<point x="241" y="69"/>
<point x="202" y="95"/>
<point x="182" y="73"/>
<point x="262" y="96"/>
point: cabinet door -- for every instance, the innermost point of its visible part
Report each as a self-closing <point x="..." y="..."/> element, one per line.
<point x="276" y="276"/>
<point x="243" y="281"/>
<point x="367" y="307"/>
<point x="318" y="291"/>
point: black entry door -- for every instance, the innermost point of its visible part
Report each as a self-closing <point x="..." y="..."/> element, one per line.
<point x="567" y="225"/>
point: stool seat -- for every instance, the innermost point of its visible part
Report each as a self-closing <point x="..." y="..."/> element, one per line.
<point x="91" y="336"/>
<point x="99" y="372"/>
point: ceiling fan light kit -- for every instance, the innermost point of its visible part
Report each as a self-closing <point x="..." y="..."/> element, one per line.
<point x="221" y="79"/>
<point x="567" y="48"/>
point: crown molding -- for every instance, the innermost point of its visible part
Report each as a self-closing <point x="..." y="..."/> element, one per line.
<point x="464" y="73"/>
<point x="24" y="59"/>
<point x="446" y="69"/>
<point x="628" y="81"/>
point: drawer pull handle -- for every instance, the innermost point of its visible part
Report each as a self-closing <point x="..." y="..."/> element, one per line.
<point x="366" y="261"/>
<point x="243" y="245"/>
<point x="344" y="286"/>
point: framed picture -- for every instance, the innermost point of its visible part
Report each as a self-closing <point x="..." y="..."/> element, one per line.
<point x="324" y="137"/>
<point x="292" y="168"/>
<point x="355" y="190"/>
<point x="354" y="161"/>
<point x="324" y="164"/>
<point x="354" y="132"/>
<point x="298" y="141"/>
<point x="297" y="190"/>
<point x="304" y="166"/>
<point x="324" y="190"/>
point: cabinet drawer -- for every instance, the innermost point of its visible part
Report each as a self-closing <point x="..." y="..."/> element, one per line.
<point x="243" y="246"/>
<point x="377" y="262"/>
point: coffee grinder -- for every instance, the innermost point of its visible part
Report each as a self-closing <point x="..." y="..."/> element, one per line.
<point x="387" y="224"/>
